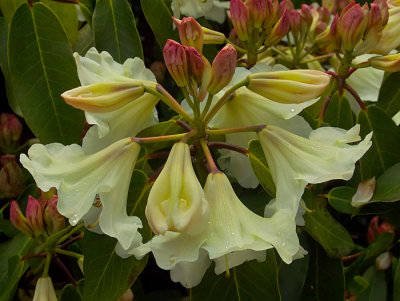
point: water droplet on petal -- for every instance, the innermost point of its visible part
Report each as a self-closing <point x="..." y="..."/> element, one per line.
<point x="283" y="244"/>
<point x="172" y="259"/>
<point x="292" y="110"/>
<point x="233" y="233"/>
<point x="74" y="220"/>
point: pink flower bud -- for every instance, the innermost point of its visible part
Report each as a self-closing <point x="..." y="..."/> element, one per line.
<point x="295" y="22"/>
<point x="10" y="131"/>
<point x="383" y="7"/>
<point x="324" y="14"/>
<point x="374" y="229"/>
<point x="280" y="29"/>
<point x="34" y="215"/>
<point x="271" y="14"/>
<point x="196" y="64"/>
<point x="176" y="60"/>
<point x="53" y="219"/>
<point x="240" y="17"/>
<point x="306" y="14"/>
<point x="223" y="69"/>
<point x="334" y="33"/>
<point x="352" y="24"/>
<point x="18" y="219"/>
<point x="285" y="5"/>
<point x="258" y="9"/>
<point x="11" y="177"/>
<point x="191" y="33"/>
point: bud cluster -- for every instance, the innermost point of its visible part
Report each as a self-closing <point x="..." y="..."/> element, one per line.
<point x="189" y="68"/>
<point x="41" y="217"/>
<point x="11" y="177"/>
<point x="10" y="132"/>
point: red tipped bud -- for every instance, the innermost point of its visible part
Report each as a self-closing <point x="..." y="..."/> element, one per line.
<point x="375" y="229"/>
<point x="334" y="33"/>
<point x="191" y="33"/>
<point x="11" y="177"/>
<point x="295" y="22"/>
<point x="196" y="64"/>
<point x="240" y="17"/>
<point x="280" y="29"/>
<point x="18" y="219"/>
<point x="34" y="215"/>
<point x="223" y="69"/>
<point x="10" y="131"/>
<point x="176" y="60"/>
<point x="53" y="219"/>
<point x="271" y="15"/>
<point x="306" y="14"/>
<point x="258" y="9"/>
<point x="324" y="14"/>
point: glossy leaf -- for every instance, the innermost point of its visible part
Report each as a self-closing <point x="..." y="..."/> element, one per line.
<point x="87" y="8"/>
<point x="385" y="142"/>
<point x="70" y="293"/>
<point x="115" y="30"/>
<point x="68" y="16"/>
<point x="108" y="276"/>
<point x="340" y="199"/>
<point x="8" y="7"/>
<point x="320" y="224"/>
<point x="389" y="95"/>
<point x="387" y="187"/>
<point x="339" y="113"/>
<point x="249" y="281"/>
<point x="396" y="282"/>
<point x="158" y="15"/>
<point x="377" y="289"/>
<point x="260" y="167"/>
<point x="42" y="67"/>
<point x="325" y="279"/>
<point x="11" y="267"/>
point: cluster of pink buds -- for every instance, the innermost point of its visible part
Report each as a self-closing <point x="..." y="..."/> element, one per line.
<point x="375" y="229"/>
<point x="253" y="20"/>
<point x="41" y="217"/>
<point x="11" y="177"/>
<point x="189" y="68"/>
<point x="10" y="132"/>
<point x="358" y="29"/>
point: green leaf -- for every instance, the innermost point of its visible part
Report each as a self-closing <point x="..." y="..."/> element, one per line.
<point x="340" y="199"/>
<point x="84" y="41"/>
<point x="11" y="267"/>
<point x="387" y="187"/>
<point x="8" y="7"/>
<point x="87" y="8"/>
<point x="325" y="279"/>
<point x="377" y="289"/>
<point x="4" y="67"/>
<point x="68" y="16"/>
<point x="108" y="276"/>
<point x="42" y="67"/>
<point x="385" y="142"/>
<point x="260" y="167"/>
<point x="389" y="95"/>
<point x="339" y="113"/>
<point x="115" y="30"/>
<point x="332" y="236"/>
<point x="158" y="15"/>
<point x="70" y="293"/>
<point x="250" y="281"/>
<point x="379" y="245"/>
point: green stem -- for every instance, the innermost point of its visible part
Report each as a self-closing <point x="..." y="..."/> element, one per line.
<point x="47" y="265"/>
<point x="142" y="140"/>
<point x="207" y="154"/>
<point x="68" y="253"/>
<point x="223" y="100"/>
<point x="207" y="106"/>
<point x="74" y="230"/>
<point x="194" y="104"/>
<point x="255" y="128"/>
<point x="239" y="49"/>
<point x="316" y="58"/>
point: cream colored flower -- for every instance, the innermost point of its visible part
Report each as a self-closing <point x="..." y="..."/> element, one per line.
<point x="213" y="10"/>
<point x="44" y="290"/>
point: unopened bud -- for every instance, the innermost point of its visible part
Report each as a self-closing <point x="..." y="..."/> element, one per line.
<point x="190" y="33"/>
<point x="389" y="63"/>
<point x="271" y="15"/>
<point x="11" y="177"/>
<point x="383" y="7"/>
<point x="44" y="290"/>
<point x="334" y="33"/>
<point x="375" y="229"/>
<point x="353" y="21"/>
<point x="158" y="69"/>
<point x="306" y="14"/>
<point x="209" y="36"/>
<point x="18" y="219"/>
<point x="257" y="9"/>
<point x="240" y="17"/>
<point x="53" y="219"/>
<point x="10" y="131"/>
<point x="103" y="97"/>
<point x="280" y="29"/>
<point x="383" y="261"/>
<point x="196" y="64"/>
<point x="324" y="14"/>
<point x="34" y="215"/>
<point x="285" y="5"/>
<point x="176" y="60"/>
<point x="295" y="22"/>
<point x="223" y="69"/>
<point x="295" y="86"/>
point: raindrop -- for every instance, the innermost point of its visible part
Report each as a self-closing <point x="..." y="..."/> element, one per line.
<point x="283" y="244"/>
<point x="233" y="233"/>
<point x="74" y="220"/>
<point x="172" y="259"/>
<point x="292" y="110"/>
